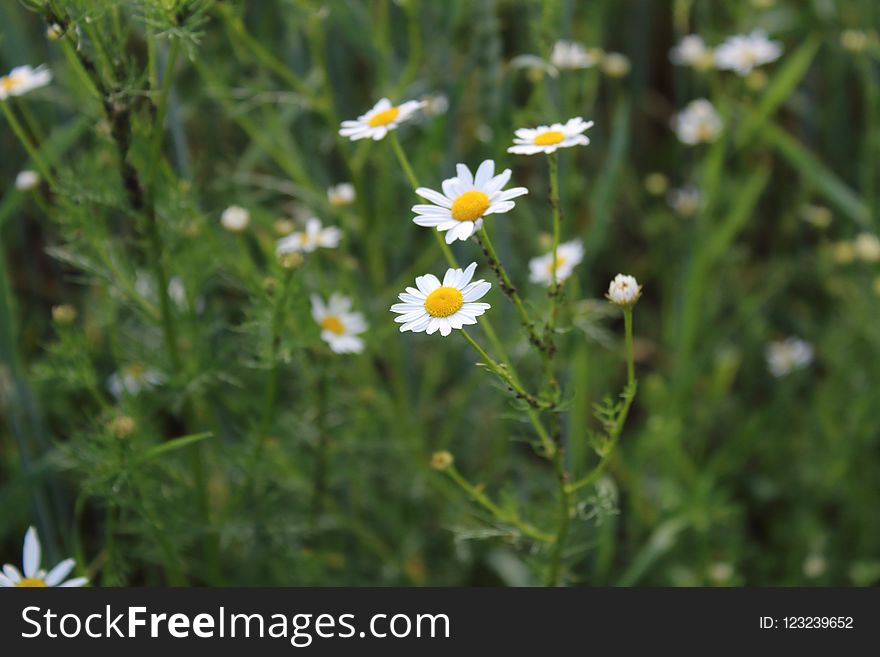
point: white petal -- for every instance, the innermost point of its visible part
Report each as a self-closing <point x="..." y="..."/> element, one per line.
<point x="416" y="293"/>
<point x="511" y="193"/>
<point x="435" y="197"/>
<point x="499" y="181"/>
<point x="379" y="132"/>
<point x="451" y="277"/>
<point x="431" y="210"/>
<point x="12" y="573"/>
<point x="30" y="557"/>
<point x="464" y="174"/>
<point x="5" y="582"/>
<point x="467" y="275"/>
<point x="484" y="173"/>
<point x="477" y="291"/>
<point x="429" y="220"/>
<point x="76" y="582"/>
<point x="500" y="207"/>
<point x="445" y="328"/>
<point x="427" y="283"/>
<point x="59" y="572"/>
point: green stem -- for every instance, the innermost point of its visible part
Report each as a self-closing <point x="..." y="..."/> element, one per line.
<point x="168" y="328"/>
<point x="32" y="151"/>
<point x="550" y="328"/>
<point x="161" y="112"/>
<point x="512" y="381"/>
<point x="502" y="515"/>
<point x="630" y="360"/>
<point x="564" y="519"/>
<point x="507" y="286"/>
<point x="271" y="391"/>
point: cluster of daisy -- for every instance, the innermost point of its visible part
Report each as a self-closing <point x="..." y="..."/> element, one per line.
<point x="741" y="53"/>
<point x="571" y="55"/>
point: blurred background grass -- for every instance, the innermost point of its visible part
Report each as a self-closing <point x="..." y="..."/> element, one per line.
<point x="724" y="474"/>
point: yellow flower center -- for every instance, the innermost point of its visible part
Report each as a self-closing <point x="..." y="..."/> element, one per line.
<point x="10" y="82"/>
<point x="31" y="583"/>
<point x="136" y="370"/>
<point x="470" y="206"/>
<point x="705" y="132"/>
<point x="332" y="324"/>
<point x="384" y="117"/>
<point x="549" y="138"/>
<point x="443" y="302"/>
<point x="560" y="260"/>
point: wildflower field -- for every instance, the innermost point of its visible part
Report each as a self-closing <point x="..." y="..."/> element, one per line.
<point x="452" y="293"/>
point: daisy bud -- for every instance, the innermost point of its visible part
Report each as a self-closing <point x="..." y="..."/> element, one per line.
<point x="624" y="291"/>
<point x="867" y="247"/>
<point x="122" y="426"/>
<point x="235" y="219"/>
<point x="656" y="183"/>
<point x="65" y="314"/>
<point x="291" y="260"/>
<point x="442" y="460"/>
<point x="283" y="227"/>
<point x="54" y="32"/>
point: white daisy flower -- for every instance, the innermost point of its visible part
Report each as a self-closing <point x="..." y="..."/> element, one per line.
<point x="23" y="79"/>
<point x="134" y="379"/>
<point x="624" y="290"/>
<point x="235" y="219"/>
<point x="743" y="52"/>
<point x="433" y="306"/>
<point x="435" y="104"/>
<point x="465" y="200"/>
<point x="33" y="576"/>
<point x="568" y="256"/>
<point x="26" y="181"/>
<point x="691" y="51"/>
<point x="571" y="55"/>
<point x="867" y="247"/>
<point x="547" y="138"/>
<point x="698" y="122"/>
<point x="376" y="123"/>
<point x="315" y="236"/>
<point x="341" y="194"/>
<point x="786" y="356"/>
<point x="339" y="326"/>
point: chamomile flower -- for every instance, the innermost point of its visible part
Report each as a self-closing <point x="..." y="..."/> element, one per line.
<point x="315" y="236"/>
<point x="571" y="55"/>
<point x="27" y="180"/>
<point x="698" y="122"/>
<point x="568" y="256"/>
<point x="235" y="219"/>
<point x="692" y="51"/>
<point x="684" y="200"/>
<point x="134" y="379"/>
<point x="786" y="356"/>
<point x="867" y="247"/>
<point x="433" y="306"/>
<point x="341" y="194"/>
<point x="376" y="123"/>
<point x="624" y="290"/>
<point x="339" y="326"/>
<point x="465" y="200"/>
<point x="31" y="575"/>
<point x="547" y="138"/>
<point x="23" y="79"/>
<point x="744" y="52"/>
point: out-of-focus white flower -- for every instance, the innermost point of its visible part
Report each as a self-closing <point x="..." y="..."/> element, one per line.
<point x="536" y="68"/>
<point x="685" y="201"/>
<point x="698" y="122"/>
<point x="615" y="65"/>
<point x="815" y="566"/>
<point x="133" y="380"/>
<point x="341" y="194"/>
<point x="376" y="123"/>
<point x="435" y="104"/>
<point x="31" y="575"/>
<point x="547" y="138"/>
<point x="568" y="256"/>
<point x="433" y="306"/>
<point x="786" y="356"/>
<point x="315" y="236"/>
<point x="177" y="291"/>
<point x="235" y="218"/>
<point x="854" y="40"/>
<point x="867" y="247"/>
<point x="624" y="290"/>
<point x="743" y="52"/>
<point x="465" y="200"/>
<point x="27" y="180"/>
<point x="23" y="79"/>
<point x="570" y="55"/>
<point x="339" y="326"/>
<point x="720" y="572"/>
<point x="692" y="51"/>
